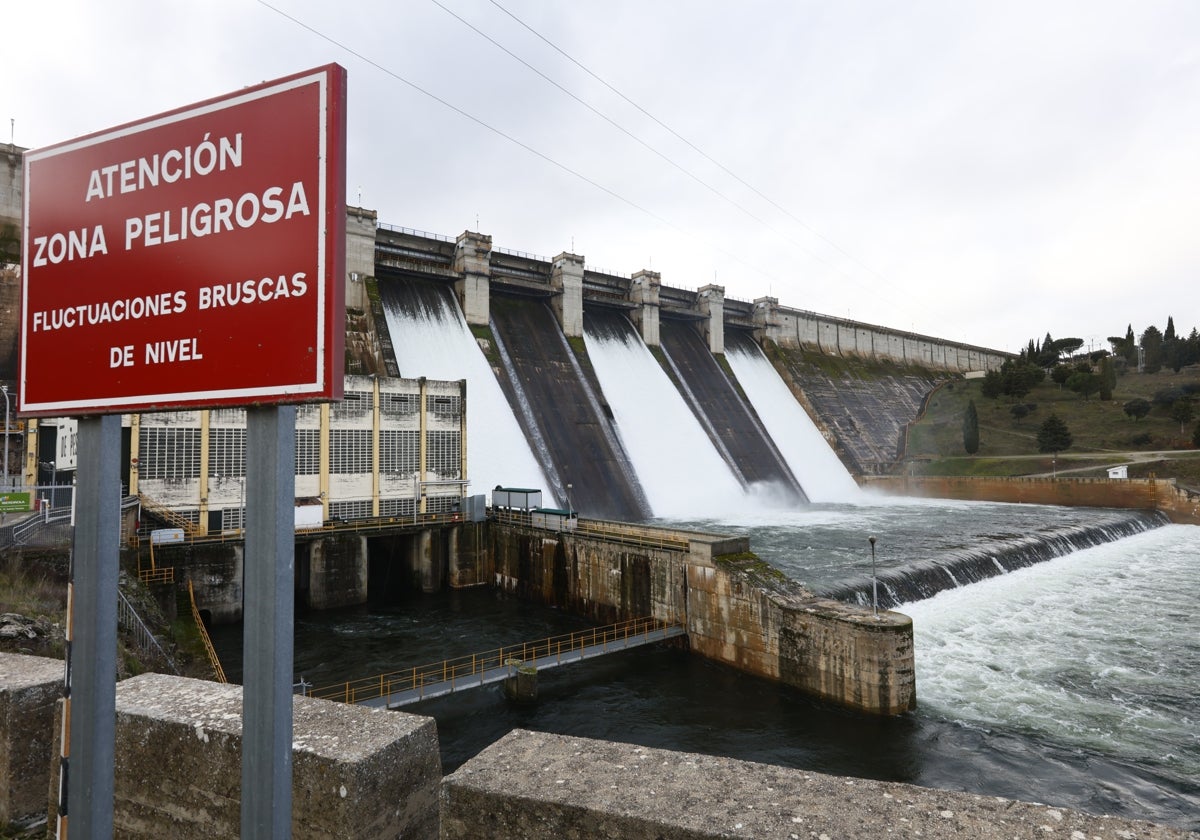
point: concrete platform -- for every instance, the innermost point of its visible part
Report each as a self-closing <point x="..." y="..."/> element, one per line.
<point x="30" y="686"/>
<point x="539" y="786"/>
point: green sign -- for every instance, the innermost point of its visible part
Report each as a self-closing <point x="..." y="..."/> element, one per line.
<point x="12" y="502"/>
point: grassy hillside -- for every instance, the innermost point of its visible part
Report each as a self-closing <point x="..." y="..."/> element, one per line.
<point x="1103" y="435"/>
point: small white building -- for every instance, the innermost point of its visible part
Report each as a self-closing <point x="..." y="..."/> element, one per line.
<point x="1119" y="472"/>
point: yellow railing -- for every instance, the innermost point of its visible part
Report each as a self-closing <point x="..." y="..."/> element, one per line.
<point x="167" y="515"/>
<point x="473" y="666"/>
<point x="208" y="645"/>
<point x="165" y="574"/>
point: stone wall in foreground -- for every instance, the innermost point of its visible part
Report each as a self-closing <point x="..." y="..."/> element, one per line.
<point x="356" y="772"/>
<point x="29" y="689"/>
<point x="538" y="786"/>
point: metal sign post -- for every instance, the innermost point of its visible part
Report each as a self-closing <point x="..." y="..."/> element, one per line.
<point x="92" y="655"/>
<point x="267" y="623"/>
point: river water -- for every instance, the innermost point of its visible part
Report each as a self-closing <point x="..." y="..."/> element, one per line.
<point x="1071" y="682"/>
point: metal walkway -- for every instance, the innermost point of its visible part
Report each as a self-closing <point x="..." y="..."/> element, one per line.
<point x="401" y="688"/>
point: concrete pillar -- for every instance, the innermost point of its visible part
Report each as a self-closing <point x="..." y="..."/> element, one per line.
<point x="360" y="255"/>
<point x="337" y="572"/>
<point x="428" y="566"/>
<point x="711" y="302"/>
<point x="644" y="292"/>
<point x="135" y="448"/>
<point x="522" y="686"/>
<point x="473" y="263"/>
<point x="566" y="278"/>
<point x="766" y="318"/>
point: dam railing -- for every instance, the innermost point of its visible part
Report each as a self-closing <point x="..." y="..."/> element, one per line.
<point x="423" y="682"/>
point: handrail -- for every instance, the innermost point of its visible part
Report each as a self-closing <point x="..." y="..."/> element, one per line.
<point x="127" y="616"/>
<point x="604" y="530"/>
<point x="208" y="645"/>
<point x="474" y="665"/>
<point x="168" y="515"/>
<point x="422" y="233"/>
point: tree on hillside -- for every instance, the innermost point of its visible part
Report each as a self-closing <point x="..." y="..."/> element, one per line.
<point x="1125" y="347"/>
<point x="1137" y="408"/>
<point x="1020" y="411"/>
<point x="1054" y="436"/>
<point x="1108" y="379"/>
<point x="1152" y="355"/>
<point x="1084" y="383"/>
<point x="1060" y="374"/>
<point x="971" y="429"/>
<point x="1182" y="411"/>
<point x="1191" y="352"/>
<point x="993" y="384"/>
<point x="1170" y="346"/>
<point x="1019" y="377"/>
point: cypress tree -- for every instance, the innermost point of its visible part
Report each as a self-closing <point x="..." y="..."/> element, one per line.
<point x="971" y="429"/>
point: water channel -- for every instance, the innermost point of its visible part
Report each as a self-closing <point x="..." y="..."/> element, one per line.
<point x="1069" y="682"/>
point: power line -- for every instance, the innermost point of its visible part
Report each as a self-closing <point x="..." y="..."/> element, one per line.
<point x="694" y="147"/>
<point x="498" y="132"/>
<point x="463" y="113"/>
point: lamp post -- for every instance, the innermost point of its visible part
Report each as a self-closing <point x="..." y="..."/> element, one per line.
<point x="4" y="388"/>
<point x="568" y="500"/>
<point x="874" y="584"/>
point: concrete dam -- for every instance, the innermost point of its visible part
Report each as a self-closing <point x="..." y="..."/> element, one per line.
<point x="626" y="399"/>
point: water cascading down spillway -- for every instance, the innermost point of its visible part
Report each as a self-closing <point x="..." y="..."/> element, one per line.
<point x="431" y="338"/>
<point x="618" y="431"/>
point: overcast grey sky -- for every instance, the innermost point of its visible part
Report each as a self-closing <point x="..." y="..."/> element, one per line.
<point x="983" y="172"/>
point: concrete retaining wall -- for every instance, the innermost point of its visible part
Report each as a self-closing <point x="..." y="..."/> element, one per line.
<point x="30" y="686"/>
<point x="538" y="786"/>
<point x="605" y="581"/>
<point x="1180" y="505"/>
<point x="356" y="772"/>
<point x="737" y="609"/>
<point x="747" y="615"/>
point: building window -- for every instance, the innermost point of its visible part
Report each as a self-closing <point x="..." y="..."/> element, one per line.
<point x="227" y="452"/>
<point x="443" y="455"/>
<point x="399" y="405"/>
<point x="354" y="404"/>
<point x="308" y="451"/>
<point x="168" y="453"/>
<point x="398" y="453"/>
<point x="350" y="451"/>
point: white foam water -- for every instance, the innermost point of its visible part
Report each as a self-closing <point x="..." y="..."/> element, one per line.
<point x="676" y="463"/>
<point x="439" y="344"/>
<point x="811" y="459"/>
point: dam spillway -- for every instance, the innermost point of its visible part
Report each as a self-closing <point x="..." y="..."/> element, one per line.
<point x="699" y="440"/>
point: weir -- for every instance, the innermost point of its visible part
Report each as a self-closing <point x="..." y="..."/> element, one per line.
<point x="431" y="338"/>
<point x="925" y="578"/>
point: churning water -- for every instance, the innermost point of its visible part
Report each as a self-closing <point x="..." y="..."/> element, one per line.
<point x="1071" y="682"/>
